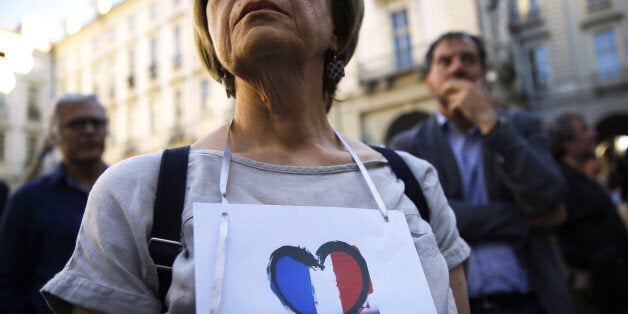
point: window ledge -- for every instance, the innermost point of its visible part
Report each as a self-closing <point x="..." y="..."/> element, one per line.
<point x="600" y="18"/>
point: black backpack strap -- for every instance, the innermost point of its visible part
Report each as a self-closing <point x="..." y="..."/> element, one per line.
<point x="403" y="172"/>
<point x="164" y="245"/>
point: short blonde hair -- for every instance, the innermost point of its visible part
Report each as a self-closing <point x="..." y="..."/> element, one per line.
<point x="347" y="16"/>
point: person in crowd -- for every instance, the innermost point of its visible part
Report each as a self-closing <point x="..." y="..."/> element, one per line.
<point x="593" y="239"/>
<point x="4" y="194"/>
<point x="617" y="173"/>
<point x="499" y="178"/>
<point x="35" y="168"/>
<point x="281" y="61"/>
<point x="39" y="227"/>
<point x="591" y="166"/>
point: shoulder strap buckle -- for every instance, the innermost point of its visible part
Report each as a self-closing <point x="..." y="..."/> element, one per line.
<point x="170" y="249"/>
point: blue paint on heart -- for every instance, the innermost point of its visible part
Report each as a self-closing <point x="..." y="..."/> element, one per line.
<point x="294" y="281"/>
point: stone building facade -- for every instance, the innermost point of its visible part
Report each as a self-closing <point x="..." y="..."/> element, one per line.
<point x="545" y="56"/>
<point x="27" y="80"/>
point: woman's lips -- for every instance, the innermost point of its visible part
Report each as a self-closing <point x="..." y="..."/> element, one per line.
<point x="258" y="6"/>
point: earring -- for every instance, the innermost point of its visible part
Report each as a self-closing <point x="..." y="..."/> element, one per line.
<point x="334" y="67"/>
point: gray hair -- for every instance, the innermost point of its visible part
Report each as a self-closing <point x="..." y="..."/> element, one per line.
<point x="66" y="100"/>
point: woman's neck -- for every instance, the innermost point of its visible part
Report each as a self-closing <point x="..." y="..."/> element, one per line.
<point x="280" y="118"/>
<point x="282" y="131"/>
<point x="284" y="103"/>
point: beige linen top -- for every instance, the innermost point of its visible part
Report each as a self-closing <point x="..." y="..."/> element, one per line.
<point x="111" y="270"/>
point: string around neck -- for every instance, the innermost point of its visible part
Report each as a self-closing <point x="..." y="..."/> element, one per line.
<point x="226" y="160"/>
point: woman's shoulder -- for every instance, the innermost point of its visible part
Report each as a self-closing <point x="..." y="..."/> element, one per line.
<point x="423" y="170"/>
<point x="418" y="165"/>
<point x="134" y="171"/>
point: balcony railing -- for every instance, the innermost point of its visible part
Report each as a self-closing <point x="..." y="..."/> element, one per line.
<point x="386" y="66"/>
<point x="610" y="81"/>
<point x="580" y="88"/>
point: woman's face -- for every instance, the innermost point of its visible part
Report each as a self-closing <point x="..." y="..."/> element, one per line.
<point x="245" y="31"/>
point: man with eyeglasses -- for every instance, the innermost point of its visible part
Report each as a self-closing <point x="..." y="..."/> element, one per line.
<point x="39" y="226"/>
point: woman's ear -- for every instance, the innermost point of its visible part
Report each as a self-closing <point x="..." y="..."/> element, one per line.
<point x="333" y="43"/>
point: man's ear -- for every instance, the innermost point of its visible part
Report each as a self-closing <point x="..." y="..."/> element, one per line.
<point x="427" y="82"/>
<point x="54" y="137"/>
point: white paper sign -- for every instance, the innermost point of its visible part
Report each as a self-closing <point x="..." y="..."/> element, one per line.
<point x="285" y="259"/>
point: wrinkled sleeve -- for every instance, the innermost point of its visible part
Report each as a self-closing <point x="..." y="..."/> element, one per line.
<point x="442" y="218"/>
<point x="110" y="270"/>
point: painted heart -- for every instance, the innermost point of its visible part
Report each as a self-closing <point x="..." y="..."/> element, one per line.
<point x="289" y="275"/>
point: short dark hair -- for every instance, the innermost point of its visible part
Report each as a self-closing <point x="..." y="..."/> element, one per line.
<point x="479" y="43"/>
<point x="560" y="130"/>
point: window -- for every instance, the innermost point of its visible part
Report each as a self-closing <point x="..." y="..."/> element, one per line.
<point x="177" y="107"/>
<point x="111" y="34"/>
<point x="204" y="94"/>
<point x="3" y="105"/>
<point x="131" y="121"/>
<point x="32" y="103"/>
<point x="606" y="58"/>
<point x="528" y="10"/>
<point x="597" y="5"/>
<point x="540" y="66"/>
<point x="533" y="9"/>
<point x="152" y="115"/>
<point x="112" y="88"/>
<point x="131" y="77"/>
<point x="177" y="46"/>
<point x="177" y="130"/>
<point x="153" y="58"/>
<point x="131" y="24"/>
<point x="31" y="146"/>
<point x="152" y="11"/>
<point x="401" y="35"/>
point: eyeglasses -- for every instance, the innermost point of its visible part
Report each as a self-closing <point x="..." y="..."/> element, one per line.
<point x="81" y="124"/>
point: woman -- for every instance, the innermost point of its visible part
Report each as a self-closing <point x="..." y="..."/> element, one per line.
<point x="279" y="59"/>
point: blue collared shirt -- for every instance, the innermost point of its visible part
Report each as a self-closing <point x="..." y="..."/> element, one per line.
<point x="37" y="237"/>
<point x="492" y="268"/>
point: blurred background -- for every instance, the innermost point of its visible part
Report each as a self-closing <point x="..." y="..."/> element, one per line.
<point x="138" y="57"/>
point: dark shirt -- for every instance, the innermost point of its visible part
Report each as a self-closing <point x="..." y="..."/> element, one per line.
<point x="593" y="234"/>
<point x="4" y="193"/>
<point x="37" y="236"/>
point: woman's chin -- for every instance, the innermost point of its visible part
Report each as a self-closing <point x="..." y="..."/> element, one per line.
<point x="260" y="45"/>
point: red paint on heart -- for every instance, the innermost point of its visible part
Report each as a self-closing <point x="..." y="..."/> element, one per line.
<point x="348" y="279"/>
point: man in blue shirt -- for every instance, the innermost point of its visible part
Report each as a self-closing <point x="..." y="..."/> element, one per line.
<point x="500" y="180"/>
<point x="39" y="226"/>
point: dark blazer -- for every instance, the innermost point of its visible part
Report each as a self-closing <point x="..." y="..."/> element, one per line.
<point x="522" y="182"/>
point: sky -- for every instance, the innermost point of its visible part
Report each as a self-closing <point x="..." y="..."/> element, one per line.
<point x="54" y="11"/>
